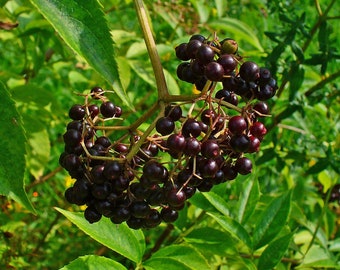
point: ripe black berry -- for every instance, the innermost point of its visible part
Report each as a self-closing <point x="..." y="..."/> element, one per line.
<point x="243" y="165"/>
<point x="237" y="125"/>
<point x="205" y="54"/>
<point x="175" y="197"/>
<point x="169" y="215"/>
<point x="249" y="71"/>
<point x="107" y="109"/>
<point x="165" y="125"/>
<point x="77" y="112"/>
<point x="214" y="71"/>
<point x="173" y="111"/>
<point x="91" y="214"/>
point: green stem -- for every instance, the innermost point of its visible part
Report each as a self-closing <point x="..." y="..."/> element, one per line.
<point x="152" y="50"/>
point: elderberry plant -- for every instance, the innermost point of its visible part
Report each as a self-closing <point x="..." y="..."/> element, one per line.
<point x="144" y="178"/>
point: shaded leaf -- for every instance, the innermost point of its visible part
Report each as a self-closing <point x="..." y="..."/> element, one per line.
<point x="121" y="239"/>
<point x="83" y="27"/>
<point x="319" y="166"/>
<point x="177" y="257"/>
<point x="211" y="241"/>
<point x="248" y="199"/>
<point x="274" y="252"/>
<point x="234" y="228"/>
<point x="93" y="262"/>
<point x="272" y="220"/>
<point x="12" y="158"/>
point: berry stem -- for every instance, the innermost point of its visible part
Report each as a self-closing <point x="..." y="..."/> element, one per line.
<point x="152" y="50"/>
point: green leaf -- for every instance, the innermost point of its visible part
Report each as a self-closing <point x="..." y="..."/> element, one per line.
<point x="248" y="199"/>
<point x="211" y="241"/>
<point x="12" y="158"/>
<point x="93" y="262"/>
<point x="123" y="240"/>
<point x="272" y="220"/>
<point x="274" y="252"/>
<point x="83" y="27"/>
<point x="234" y="228"/>
<point x="239" y="29"/>
<point x="217" y="201"/>
<point x="177" y="257"/>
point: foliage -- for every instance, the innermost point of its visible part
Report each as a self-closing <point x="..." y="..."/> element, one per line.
<point x="282" y="216"/>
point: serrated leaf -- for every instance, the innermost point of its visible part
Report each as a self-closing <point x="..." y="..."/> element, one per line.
<point x="239" y="29"/>
<point x="234" y="228"/>
<point x="248" y="199"/>
<point x="123" y="240"/>
<point x="272" y="220"/>
<point x="83" y="27"/>
<point x="177" y="257"/>
<point x="274" y="252"/>
<point x="12" y="158"/>
<point x="217" y="201"/>
<point x="93" y="262"/>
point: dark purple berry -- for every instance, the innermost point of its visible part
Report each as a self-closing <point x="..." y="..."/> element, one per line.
<point x="72" y="137"/>
<point x="192" y="146"/>
<point x="140" y="209"/>
<point x="165" y="125"/>
<point x="97" y="92"/>
<point x="169" y="215"/>
<point x="181" y="52"/>
<point x="205" y="54"/>
<point x="249" y="71"/>
<point x="228" y="62"/>
<point x="92" y="215"/>
<point x="176" y="143"/>
<point x="191" y="127"/>
<point x="214" y="71"/>
<point x="240" y="143"/>
<point x="243" y="165"/>
<point x="176" y="197"/>
<point x="210" y="149"/>
<point x="237" y="125"/>
<point x="107" y="109"/>
<point x="77" y="112"/>
<point x="173" y="111"/>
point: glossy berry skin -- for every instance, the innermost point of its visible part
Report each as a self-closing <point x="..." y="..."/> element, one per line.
<point x="176" y="143"/>
<point x="239" y="143"/>
<point x="191" y="127"/>
<point x="173" y="112"/>
<point x="214" y="72"/>
<point x="165" y="125"/>
<point x="210" y="149"/>
<point x="249" y="71"/>
<point x="91" y="215"/>
<point x="192" y="47"/>
<point x="192" y="146"/>
<point x="97" y="92"/>
<point x="169" y="215"/>
<point x="140" y="209"/>
<point x="77" y="112"/>
<point x="175" y="197"/>
<point x="228" y="62"/>
<point x="72" y="137"/>
<point x="181" y="52"/>
<point x="237" y="125"/>
<point x="107" y="109"/>
<point x="261" y="108"/>
<point x="205" y="54"/>
<point x="254" y="144"/>
<point x="258" y="130"/>
<point x="243" y="165"/>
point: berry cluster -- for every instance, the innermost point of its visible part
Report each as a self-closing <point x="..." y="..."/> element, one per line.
<point x="211" y="60"/>
<point x="144" y="179"/>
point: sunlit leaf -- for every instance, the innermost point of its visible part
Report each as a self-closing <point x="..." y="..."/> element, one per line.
<point x="123" y="240"/>
<point x="93" y="262"/>
<point x="177" y="257"/>
<point x="83" y="27"/>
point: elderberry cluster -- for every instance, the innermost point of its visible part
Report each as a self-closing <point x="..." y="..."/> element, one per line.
<point x="211" y="60"/>
<point x="146" y="179"/>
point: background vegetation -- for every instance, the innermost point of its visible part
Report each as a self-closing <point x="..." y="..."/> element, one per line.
<point x="295" y="174"/>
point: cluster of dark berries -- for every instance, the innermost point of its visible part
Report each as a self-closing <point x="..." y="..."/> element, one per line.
<point x="211" y="60"/>
<point x="145" y="179"/>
